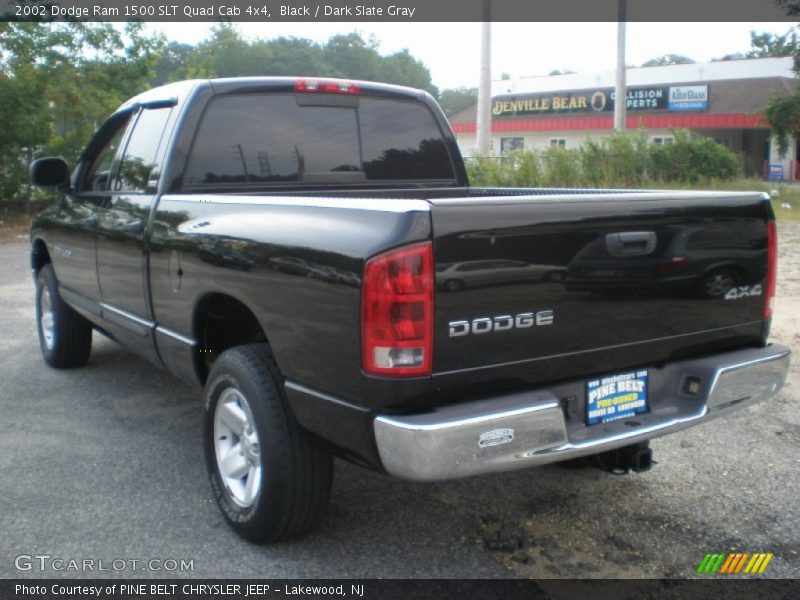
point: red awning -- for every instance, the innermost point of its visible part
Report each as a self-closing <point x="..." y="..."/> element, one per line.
<point x="679" y="121"/>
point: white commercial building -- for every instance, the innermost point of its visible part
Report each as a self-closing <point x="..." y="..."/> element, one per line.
<point x="723" y="100"/>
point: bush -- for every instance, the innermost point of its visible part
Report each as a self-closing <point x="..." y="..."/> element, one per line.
<point x="619" y="160"/>
<point x="488" y="172"/>
<point x="562" y="168"/>
<point x="527" y="168"/>
<point x="691" y="160"/>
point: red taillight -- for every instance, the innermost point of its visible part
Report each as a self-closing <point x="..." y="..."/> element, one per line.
<point x="326" y="86"/>
<point x="772" y="267"/>
<point x="397" y="312"/>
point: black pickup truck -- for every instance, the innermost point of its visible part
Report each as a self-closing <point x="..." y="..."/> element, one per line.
<point x="309" y="252"/>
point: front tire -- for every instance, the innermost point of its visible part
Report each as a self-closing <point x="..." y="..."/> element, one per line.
<point x="65" y="337"/>
<point x="555" y="277"/>
<point x="717" y="283"/>
<point x="453" y="285"/>
<point x="269" y="477"/>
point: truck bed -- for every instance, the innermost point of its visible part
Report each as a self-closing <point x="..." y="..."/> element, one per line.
<point x="627" y="276"/>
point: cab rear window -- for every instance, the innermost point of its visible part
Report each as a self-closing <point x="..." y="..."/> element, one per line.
<point x="272" y="139"/>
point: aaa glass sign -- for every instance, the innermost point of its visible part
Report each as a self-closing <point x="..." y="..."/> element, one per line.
<point x="586" y="101"/>
<point x="688" y="97"/>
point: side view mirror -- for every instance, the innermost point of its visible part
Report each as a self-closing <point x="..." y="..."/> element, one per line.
<point x="49" y="172"/>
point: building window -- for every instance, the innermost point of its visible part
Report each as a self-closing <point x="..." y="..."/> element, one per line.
<point x="508" y="145"/>
<point x="662" y="141"/>
<point x="561" y="142"/>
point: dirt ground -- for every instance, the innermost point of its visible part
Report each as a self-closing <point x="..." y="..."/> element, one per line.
<point x="786" y="325"/>
<point x="14" y="227"/>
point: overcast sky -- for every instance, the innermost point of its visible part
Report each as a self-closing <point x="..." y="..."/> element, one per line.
<point x="451" y="50"/>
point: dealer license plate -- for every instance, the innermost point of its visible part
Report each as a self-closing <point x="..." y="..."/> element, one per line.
<point x="616" y="396"/>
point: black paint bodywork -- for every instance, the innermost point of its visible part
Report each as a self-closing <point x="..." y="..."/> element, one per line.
<point x="140" y="265"/>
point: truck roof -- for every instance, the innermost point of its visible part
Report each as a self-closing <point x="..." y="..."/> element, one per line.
<point x="179" y="91"/>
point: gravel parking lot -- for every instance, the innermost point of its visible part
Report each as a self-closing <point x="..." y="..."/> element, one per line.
<point x="105" y="462"/>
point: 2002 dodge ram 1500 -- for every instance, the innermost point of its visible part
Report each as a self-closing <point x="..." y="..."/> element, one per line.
<point x="310" y="252"/>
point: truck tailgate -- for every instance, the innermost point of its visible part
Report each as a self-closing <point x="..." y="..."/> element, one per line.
<point x="536" y="288"/>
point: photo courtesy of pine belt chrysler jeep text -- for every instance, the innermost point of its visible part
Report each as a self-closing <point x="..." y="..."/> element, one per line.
<point x="310" y="253"/>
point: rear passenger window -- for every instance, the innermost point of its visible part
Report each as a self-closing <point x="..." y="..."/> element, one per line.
<point x="252" y="139"/>
<point x="402" y="141"/>
<point x="139" y="160"/>
<point x="273" y="139"/>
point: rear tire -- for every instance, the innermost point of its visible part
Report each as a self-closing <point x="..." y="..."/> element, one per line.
<point x="269" y="477"/>
<point x="65" y="337"/>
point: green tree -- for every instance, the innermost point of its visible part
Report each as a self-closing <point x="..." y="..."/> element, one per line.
<point x="403" y="69"/>
<point x="733" y="56"/>
<point x="782" y="112"/>
<point x="454" y="100"/>
<point x="230" y="55"/>
<point x="763" y="45"/>
<point x="350" y="56"/>
<point x="668" y="59"/>
<point x="173" y="64"/>
<point x="58" y="82"/>
<point x="295" y="56"/>
<point x="227" y="54"/>
<point x="783" y="115"/>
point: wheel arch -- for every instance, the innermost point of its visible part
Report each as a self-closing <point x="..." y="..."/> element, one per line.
<point x="222" y="321"/>
<point x="40" y="255"/>
<point x="726" y="266"/>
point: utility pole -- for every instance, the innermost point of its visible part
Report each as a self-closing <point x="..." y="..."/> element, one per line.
<point x="484" y="117"/>
<point x="620" y="92"/>
<point x="244" y="162"/>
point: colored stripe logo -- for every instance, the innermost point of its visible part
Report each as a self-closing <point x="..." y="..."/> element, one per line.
<point x="734" y="563"/>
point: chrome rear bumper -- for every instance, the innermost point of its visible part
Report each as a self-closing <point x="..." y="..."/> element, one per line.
<point x="531" y="428"/>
